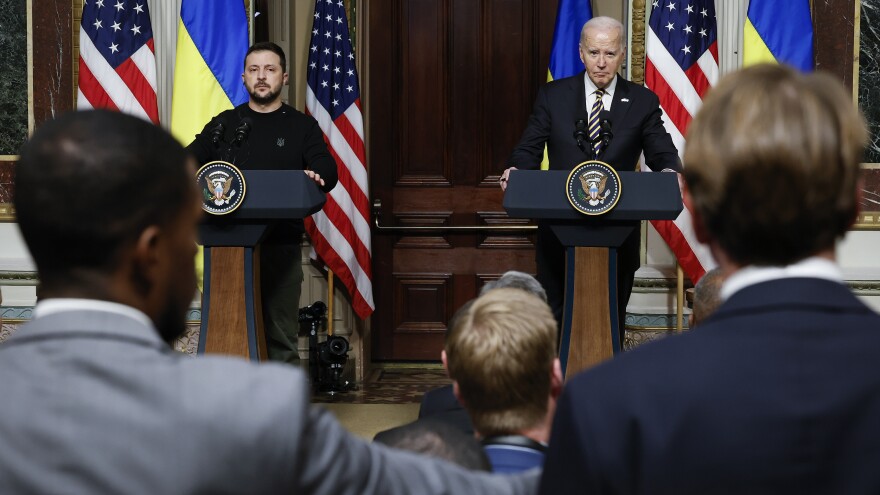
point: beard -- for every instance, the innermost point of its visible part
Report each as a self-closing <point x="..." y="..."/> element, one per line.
<point x="264" y="99"/>
<point x="171" y="323"/>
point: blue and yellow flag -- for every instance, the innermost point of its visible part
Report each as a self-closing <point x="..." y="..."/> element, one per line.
<point x="570" y="18"/>
<point x="212" y="38"/>
<point x="565" y="61"/>
<point x="779" y="31"/>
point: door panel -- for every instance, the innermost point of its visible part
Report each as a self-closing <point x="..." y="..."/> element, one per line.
<point x="449" y="89"/>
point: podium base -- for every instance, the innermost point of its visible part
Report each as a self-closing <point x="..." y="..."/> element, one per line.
<point x="590" y="326"/>
<point x="232" y="319"/>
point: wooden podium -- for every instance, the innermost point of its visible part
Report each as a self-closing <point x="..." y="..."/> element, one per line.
<point x="590" y="326"/>
<point x="232" y="321"/>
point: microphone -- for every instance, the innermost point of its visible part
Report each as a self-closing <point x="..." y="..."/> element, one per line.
<point x="580" y="133"/>
<point x="605" y="133"/>
<point x="217" y="132"/>
<point x="242" y="131"/>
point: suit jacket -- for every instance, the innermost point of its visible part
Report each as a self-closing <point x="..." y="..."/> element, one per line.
<point x="635" y="123"/>
<point x="513" y="453"/>
<point x="94" y="402"/>
<point x="440" y="404"/>
<point x="777" y="392"/>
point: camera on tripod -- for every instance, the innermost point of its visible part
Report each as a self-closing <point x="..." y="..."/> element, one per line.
<point x="326" y="359"/>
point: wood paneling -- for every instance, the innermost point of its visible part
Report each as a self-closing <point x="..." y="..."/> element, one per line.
<point x="450" y="86"/>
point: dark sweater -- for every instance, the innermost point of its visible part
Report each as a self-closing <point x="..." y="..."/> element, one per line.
<point x="285" y="139"/>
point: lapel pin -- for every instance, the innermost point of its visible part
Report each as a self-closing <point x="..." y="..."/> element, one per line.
<point x="625" y="100"/>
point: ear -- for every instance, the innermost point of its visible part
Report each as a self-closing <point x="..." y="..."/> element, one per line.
<point x="457" y="393"/>
<point x="696" y="218"/>
<point x="556" y="380"/>
<point x="284" y="78"/>
<point x="146" y="259"/>
<point x="581" y="55"/>
<point x="443" y="360"/>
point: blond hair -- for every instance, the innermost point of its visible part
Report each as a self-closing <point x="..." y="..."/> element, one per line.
<point x="501" y="353"/>
<point x="772" y="163"/>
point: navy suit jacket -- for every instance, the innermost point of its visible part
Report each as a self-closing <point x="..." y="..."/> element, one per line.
<point x="440" y="404"/>
<point x="777" y="392"/>
<point x="635" y="123"/>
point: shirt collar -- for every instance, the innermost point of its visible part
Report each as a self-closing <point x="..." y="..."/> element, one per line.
<point x="61" y="305"/>
<point x="591" y="87"/>
<point x="813" y="267"/>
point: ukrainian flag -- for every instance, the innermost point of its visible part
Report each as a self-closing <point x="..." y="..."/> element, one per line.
<point x="565" y="61"/>
<point x="779" y="31"/>
<point x="564" y="58"/>
<point x="212" y="39"/>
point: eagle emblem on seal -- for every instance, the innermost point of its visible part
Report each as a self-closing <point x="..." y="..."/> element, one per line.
<point x="593" y="183"/>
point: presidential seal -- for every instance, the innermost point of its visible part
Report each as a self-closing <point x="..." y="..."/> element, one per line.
<point x="222" y="186"/>
<point x="593" y="188"/>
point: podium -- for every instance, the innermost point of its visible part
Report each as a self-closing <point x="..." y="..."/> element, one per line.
<point x="232" y="320"/>
<point x="590" y="327"/>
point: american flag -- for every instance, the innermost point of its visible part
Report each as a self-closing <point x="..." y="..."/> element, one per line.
<point x="681" y="66"/>
<point x="340" y="232"/>
<point x="117" y="62"/>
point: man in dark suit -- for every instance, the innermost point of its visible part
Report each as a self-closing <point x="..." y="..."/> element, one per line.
<point x="634" y="114"/>
<point x="779" y="389"/>
<point x="93" y="398"/>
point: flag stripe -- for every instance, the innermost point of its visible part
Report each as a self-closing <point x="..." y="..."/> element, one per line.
<point x="784" y="27"/>
<point x="340" y="233"/>
<point x="112" y="83"/>
<point x="681" y="66"/>
<point x="91" y="90"/>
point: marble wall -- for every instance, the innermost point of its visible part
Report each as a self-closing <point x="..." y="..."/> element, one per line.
<point x="869" y="73"/>
<point x="13" y="83"/>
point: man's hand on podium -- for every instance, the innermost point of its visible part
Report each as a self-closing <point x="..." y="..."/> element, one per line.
<point x="315" y="176"/>
<point x="504" y="177"/>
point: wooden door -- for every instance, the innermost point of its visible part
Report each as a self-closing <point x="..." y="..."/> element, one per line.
<point x="450" y="85"/>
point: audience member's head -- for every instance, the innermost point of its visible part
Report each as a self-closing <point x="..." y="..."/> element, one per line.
<point x="782" y="184"/>
<point x="707" y="296"/>
<point x="516" y="280"/>
<point x="108" y="207"/>
<point x="501" y="356"/>
<point x="437" y="439"/>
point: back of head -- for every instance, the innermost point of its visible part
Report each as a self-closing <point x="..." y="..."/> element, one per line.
<point x="772" y="162"/>
<point x="88" y="183"/>
<point x="517" y="280"/>
<point x="500" y="353"/>
<point x="437" y="439"/>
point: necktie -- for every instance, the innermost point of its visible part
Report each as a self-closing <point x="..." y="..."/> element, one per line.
<point x="594" y="121"/>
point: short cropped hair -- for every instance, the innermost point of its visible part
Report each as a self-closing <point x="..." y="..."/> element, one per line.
<point x="437" y="439"/>
<point x="517" y="280"/>
<point x="89" y="182"/>
<point x="501" y="353"/>
<point x="604" y="23"/>
<point x="707" y="294"/>
<point x="267" y="46"/>
<point x="772" y="164"/>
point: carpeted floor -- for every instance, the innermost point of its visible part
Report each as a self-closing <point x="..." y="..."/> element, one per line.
<point x="389" y="397"/>
<point x="365" y="420"/>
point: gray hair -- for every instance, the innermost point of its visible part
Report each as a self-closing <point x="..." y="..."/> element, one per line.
<point x="604" y="23"/>
<point x="707" y="294"/>
<point x="517" y="280"/>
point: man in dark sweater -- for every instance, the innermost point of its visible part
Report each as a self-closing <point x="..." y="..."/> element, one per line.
<point x="266" y="134"/>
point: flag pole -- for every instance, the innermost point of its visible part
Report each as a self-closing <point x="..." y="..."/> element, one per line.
<point x="679" y="310"/>
<point x="329" y="302"/>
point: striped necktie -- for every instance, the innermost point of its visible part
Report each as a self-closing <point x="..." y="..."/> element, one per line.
<point x="594" y="120"/>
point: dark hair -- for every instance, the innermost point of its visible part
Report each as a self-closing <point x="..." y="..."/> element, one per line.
<point x="267" y="46"/>
<point x="437" y="439"/>
<point x="89" y="182"/>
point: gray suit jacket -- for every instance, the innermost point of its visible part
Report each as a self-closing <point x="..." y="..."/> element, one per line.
<point x="94" y="402"/>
